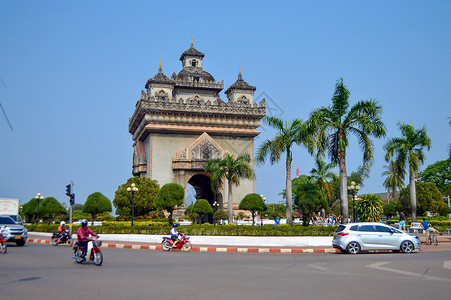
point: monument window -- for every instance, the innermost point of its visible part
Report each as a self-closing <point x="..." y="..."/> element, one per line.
<point x="193" y="63"/>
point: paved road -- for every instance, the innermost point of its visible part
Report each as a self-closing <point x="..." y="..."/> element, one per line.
<point x="41" y="271"/>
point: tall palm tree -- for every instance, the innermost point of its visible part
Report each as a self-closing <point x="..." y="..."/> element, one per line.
<point x="408" y="151"/>
<point x="321" y="173"/>
<point x="288" y="134"/>
<point x="334" y="125"/>
<point x="394" y="177"/>
<point x="231" y="169"/>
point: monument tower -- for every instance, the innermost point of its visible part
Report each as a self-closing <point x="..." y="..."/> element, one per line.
<point x="181" y="123"/>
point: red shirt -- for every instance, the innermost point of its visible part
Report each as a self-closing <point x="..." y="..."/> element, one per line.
<point x="84" y="232"/>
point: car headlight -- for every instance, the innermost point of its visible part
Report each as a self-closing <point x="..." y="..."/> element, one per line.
<point x="25" y="230"/>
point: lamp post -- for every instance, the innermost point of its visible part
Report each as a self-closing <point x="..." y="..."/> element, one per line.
<point x="38" y="198"/>
<point x="261" y="217"/>
<point x="132" y="189"/>
<point x="215" y="208"/>
<point x="353" y="189"/>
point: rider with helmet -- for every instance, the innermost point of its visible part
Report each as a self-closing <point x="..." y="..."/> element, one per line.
<point x="83" y="236"/>
<point x="175" y="236"/>
<point x="61" y="231"/>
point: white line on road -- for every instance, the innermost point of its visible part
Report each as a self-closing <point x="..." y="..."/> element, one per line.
<point x="447" y="264"/>
<point x="379" y="266"/>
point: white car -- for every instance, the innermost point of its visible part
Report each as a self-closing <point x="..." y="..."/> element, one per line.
<point x="354" y="237"/>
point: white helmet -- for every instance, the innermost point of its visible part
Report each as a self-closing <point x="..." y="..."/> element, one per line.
<point x="62" y="223"/>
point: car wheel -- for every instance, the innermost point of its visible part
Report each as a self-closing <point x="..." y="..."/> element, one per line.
<point x="353" y="248"/>
<point x="407" y="247"/>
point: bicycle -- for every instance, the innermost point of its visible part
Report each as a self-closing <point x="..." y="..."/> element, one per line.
<point x="433" y="239"/>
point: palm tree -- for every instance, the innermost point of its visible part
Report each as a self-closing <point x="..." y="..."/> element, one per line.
<point x="394" y="177"/>
<point x="231" y="169"/>
<point x="321" y="173"/>
<point x="294" y="132"/>
<point x="408" y="151"/>
<point x="334" y="125"/>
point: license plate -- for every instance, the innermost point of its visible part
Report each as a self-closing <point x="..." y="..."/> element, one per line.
<point x="17" y="237"/>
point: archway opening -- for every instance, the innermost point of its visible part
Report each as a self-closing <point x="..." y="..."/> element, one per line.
<point x="202" y="188"/>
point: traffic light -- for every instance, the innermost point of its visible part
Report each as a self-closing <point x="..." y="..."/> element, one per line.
<point x="68" y="190"/>
<point x="72" y="199"/>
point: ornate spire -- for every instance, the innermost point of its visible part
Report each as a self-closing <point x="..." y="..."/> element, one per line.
<point x="192" y="44"/>
<point x="160" y="70"/>
<point x="239" y="74"/>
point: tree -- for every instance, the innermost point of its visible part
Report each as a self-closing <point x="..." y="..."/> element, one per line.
<point x="29" y="209"/>
<point x="309" y="199"/>
<point x="369" y="208"/>
<point x="394" y="177"/>
<point x="389" y="210"/>
<point x="275" y="210"/>
<point x="49" y="208"/>
<point x="439" y="173"/>
<point x="96" y="204"/>
<point x="253" y="203"/>
<point x="335" y="124"/>
<point x="169" y="196"/>
<point x="144" y="199"/>
<point x="407" y="151"/>
<point x="220" y="214"/>
<point x="202" y="207"/>
<point x="231" y="169"/>
<point x="320" y="174"/>
<point x="428" y="198"/>
<point x="288" y="134"/>
<point x="189" y="211"/>
<point x="359" y="176"/>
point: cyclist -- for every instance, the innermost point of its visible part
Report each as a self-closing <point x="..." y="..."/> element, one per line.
<point x="429" y="229"/>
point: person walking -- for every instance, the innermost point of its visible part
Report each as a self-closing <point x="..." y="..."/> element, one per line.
<point x="402" y="221"/>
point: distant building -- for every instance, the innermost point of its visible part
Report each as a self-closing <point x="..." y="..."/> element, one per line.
<point x="181" y="122"/>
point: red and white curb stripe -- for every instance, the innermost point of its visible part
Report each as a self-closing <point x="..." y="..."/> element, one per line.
<point x="209" y="249"/>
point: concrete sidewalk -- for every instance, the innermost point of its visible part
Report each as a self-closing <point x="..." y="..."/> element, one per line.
<point x="298" y="244"/>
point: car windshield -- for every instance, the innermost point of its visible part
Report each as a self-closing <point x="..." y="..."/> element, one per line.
<point x="7" y="220"/>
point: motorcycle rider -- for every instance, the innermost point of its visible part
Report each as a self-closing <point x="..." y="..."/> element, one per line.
<point x="83" y="236"/>
<point x="61" y="231"/>
<point x="175" y="236"/>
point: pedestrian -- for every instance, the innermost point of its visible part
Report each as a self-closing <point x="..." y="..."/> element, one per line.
<point x="402" y="221"/>
<point x="277" y="221"/>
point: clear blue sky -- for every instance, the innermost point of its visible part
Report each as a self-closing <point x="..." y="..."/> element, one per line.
<point x="71" y="73"/>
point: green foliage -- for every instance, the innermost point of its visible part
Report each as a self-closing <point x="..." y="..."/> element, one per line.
<point x="49" y="208"/>
<point x="253" y="203"/>
<point x="407" y="152"/>
<point x="29" y="209"/>
<point x="170" y="196"/>
<point x="369" y="208"/>
<point x="362" y="173"/>
<point x="189" y="211"/>
<point x="144" y="199"/>
<point x="274" y="210"/>
<point x="309" y="199"/>
<point x="231" y="169"/>
<point x="439" y="173"/>
<point x="389" y="210"/>
<point x="79" y="215"/>
<point x="395" y="174"/>
<point x="334" y="125"/>
<point x="220" y="214"/>
<point x="202" y="207"/>
<point x="428" y="198"/>
<point x="288" y="134"/>
<point x="96" y="204"/>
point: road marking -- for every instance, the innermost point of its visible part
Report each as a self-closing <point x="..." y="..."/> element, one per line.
<point x="379" y="266"/>
<point x="318" y="266"/>
<point x="447" y="264"/>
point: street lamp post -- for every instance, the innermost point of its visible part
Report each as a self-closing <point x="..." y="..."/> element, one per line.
<point x="261" y="217"/>
<point x="215" y="208"/>
<point x="132" y="189"/>
<point x="353" y="188"/>
<point x="38" y="198"/>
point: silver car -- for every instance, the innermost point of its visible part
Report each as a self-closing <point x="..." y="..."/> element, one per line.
<point x="14" y="232"/>
<point x="354" y="237"/>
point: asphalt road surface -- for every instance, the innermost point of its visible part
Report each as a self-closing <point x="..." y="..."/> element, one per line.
<point x="39" y="271"/>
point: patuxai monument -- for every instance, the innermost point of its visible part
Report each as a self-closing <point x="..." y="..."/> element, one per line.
<point x="181" y="122"/>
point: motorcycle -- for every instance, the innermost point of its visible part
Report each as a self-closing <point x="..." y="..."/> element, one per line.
<point x="183" y="244"/>
<point x="94" y="253"/>
<point x="66" y="238"/>
<point x="3" y="246"/>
